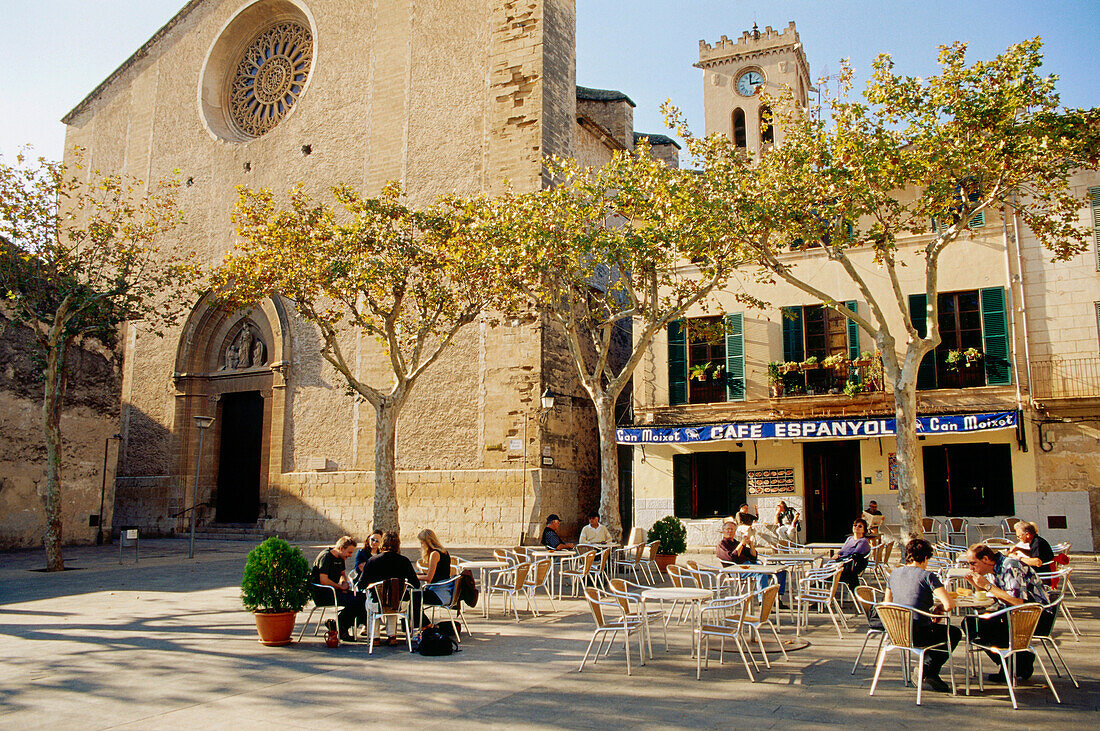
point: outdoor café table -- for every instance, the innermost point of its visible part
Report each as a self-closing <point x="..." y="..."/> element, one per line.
<point x="483" y="569"/>
<point x="610" y="567"/>
<point x="557" y="556"/>
<point x="966" y="606"/>
<point x="694" y="596"/>
<point x="825" y="547"/>
<point x="772" y="569"/>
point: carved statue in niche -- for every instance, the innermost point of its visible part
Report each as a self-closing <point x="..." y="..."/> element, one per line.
<point x="245" y="350"/>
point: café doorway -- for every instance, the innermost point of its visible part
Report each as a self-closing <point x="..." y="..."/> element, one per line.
<point x="834" y="495"/>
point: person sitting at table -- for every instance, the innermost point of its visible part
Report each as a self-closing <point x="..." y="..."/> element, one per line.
<point x="786" y="521"/>
<point x="737" y="546"/>
<point x="872" y="508"/>
<point x="372" y="548"/>
<point x="328" y="571"/>
<point x="1010" y="583"/>
<point x="744" y="510"/>
<point x="438" y="563"/>
<point x="390" y="564"/>
<point x="594" y="532"/>
<point x="913" y="585"/>
<point x="550" y="537"/>
<point x="1033" y="550"/>
<point x="854" y="552"/>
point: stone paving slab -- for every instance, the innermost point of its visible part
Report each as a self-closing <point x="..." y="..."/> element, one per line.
<point x="165" y="644"/>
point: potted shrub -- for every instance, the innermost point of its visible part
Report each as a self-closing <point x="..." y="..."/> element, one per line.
<point x="775" y="378"/>
<point x="673" y="537"/>
<point x="274" y="589"/>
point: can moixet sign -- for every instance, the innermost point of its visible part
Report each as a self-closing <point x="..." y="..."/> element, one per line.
<point x="814" y="429"/>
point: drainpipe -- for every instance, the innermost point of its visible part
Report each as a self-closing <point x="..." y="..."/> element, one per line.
<point x="1023" y="300"/>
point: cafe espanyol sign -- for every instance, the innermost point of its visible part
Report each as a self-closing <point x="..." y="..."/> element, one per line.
<point x="815" y="429"/>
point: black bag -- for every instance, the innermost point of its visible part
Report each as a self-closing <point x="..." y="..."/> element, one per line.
<point x="448" y="627"/>
<point x="434" y="643"/>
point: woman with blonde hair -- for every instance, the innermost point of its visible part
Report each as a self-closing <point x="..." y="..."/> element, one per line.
<point x="438" y="570"/>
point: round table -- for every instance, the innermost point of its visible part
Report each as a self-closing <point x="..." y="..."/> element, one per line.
<point x="483" y="568"/>
<point x="695" y="597"/>
<point x="965" y="606"/>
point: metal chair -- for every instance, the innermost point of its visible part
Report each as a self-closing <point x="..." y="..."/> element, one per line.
<point x="724" y="627"/>
<point x="650" y="562"/>
<point x="766" y="601"/>
<point x="1008" y="528"/>
<point x="634" y="593"/>
<point x="542" y="577"/>
<point x="631" y="558"/>
<point x="601" y="605"/>
<point x="323" y="607"/>
<point x="1022" y="620"/>
<point x="1059" y="581"/>
<point x="512" y="583"/>
<point x="449" y="587"/>
<point x="386" y="599"/>
<point x="1049" y="643"/>
<point x="578" y="569"/>
<point x="932" y="528"/>
<point x="897" y="621"/>
<point x="867" y="597"/>
<point x="955" y="528"/>
<point x="820" y="587"/>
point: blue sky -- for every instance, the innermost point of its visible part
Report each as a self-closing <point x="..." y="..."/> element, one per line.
<point x="59" y="50"/>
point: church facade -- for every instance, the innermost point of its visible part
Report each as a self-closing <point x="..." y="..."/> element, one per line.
<point x="445" y="98"/>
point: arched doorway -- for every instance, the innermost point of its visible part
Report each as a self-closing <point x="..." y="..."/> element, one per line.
<point x="231" y="366"/>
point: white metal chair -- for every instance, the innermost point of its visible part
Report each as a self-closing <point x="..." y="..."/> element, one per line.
<point x="897" y="621"/>
<point x="631" y="558"/>
<point x="820" y="587"/>
<point x="633" y="592"/>
<point x="512" y="584"/>
<point x="955" y="528"/>
<point x="388" y="600"/>
<point x="541" y="576"/>
<point x="578" y="569"/>
<point x="449" y="588"/>
<point x="1022" y="620"/>
<point x="323" y="608"/>
<point x="604" y="607"/>
<point x="867" y="597"/>
<point x="649" y="563"/>
<point x="765" y="601"/>
<point x="1064" y="547"/>
<point x="723" y="619"/>
<point x="1049" y="643"/>
<point x="1060" y="581"/>
<point x="1008" y="528"/>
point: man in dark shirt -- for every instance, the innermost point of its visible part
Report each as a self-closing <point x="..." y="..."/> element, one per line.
<point x="328" y="572"/>
<point x="1032" y="550"/>
<point x="390" y="564"/>
<point x="550" y="537"/>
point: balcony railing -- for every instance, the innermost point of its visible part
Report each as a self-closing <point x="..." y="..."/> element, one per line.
<point x="820" y="380"/>
<point x="1066" y="378"/>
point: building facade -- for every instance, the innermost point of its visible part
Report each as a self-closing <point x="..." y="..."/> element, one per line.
<point x="762" y="415"/>
<point x="444" y="97"/>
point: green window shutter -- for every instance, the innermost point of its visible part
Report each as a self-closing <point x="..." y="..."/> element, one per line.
<point x="977" y="220"/>
<point x="853" y="332"/>
<point x="1094" y="195"/>
<point x="677" y="363"/>
<point x="918" y="313"/>
<point x="998" y="371"/>
<point x="681" y="486"/>
<point x="793" y="346"/>
<point x="735" y="357"/>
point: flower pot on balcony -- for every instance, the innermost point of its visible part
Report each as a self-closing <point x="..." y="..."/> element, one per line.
<point x="776" y="389"/>
<point x="810" y="366"/>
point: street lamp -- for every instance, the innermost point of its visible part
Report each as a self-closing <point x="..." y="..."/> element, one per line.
<point x="103" y="490"/>
<point x="547" y="403"/>
<point x="203" y="423"/>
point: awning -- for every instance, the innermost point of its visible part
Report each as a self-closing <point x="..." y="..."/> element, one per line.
<point x="814" y="429"/>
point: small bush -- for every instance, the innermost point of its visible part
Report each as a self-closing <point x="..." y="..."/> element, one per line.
<point x="671" y="533"/>
<point x="275" y="578"/>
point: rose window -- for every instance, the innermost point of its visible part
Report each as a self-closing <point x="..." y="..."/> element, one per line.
<point x="270" y="77"/>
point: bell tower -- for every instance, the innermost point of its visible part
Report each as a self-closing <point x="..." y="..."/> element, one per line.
<point x="736" y="73"/>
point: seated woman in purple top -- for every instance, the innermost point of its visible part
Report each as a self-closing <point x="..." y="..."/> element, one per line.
<point x="855" y="550"/>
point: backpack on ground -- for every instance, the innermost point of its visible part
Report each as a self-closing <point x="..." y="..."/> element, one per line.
<point x="434" y="643"/>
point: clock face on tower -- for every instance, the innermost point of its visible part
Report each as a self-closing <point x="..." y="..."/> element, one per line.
<point x="749" y="82"/>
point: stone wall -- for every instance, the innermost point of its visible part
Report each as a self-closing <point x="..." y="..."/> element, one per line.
<point x="90" y="417"/>
<point x="1069" y="481"/>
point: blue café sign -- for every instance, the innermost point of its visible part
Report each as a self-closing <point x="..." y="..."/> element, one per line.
<point x="814" y="429"/>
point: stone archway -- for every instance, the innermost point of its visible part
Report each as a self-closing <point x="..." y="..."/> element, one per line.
<point x="230" y="365"/>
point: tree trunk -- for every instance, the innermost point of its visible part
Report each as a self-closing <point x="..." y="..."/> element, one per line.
<point x="910" y="498"/>
<point x="385" y="463"/>
<point x="609" y="465"/>
<point x="52" y="400"/>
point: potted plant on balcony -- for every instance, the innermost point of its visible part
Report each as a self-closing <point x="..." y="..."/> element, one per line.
<point x="810" y="364"/>
<point x="865" y="359"/>
<point x="699" y="371"/>
<point x="834" y="362"/>
<point x="790" y="366"/>
<point x="718" y="372"/>
<point x="274" y="589"/>
<point x="775" y="379"/>
<point x="853" y="388"/>
<point x="673" y="537"/>
<point x="953" y="359"/>
<point x="972" y="355"/>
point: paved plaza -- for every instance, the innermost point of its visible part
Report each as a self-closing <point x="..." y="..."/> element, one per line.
<point x="165" y="644"/>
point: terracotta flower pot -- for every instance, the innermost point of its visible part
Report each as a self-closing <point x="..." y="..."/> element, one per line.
<point x="664" y="560"/>
<point x="275" y="628"/>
